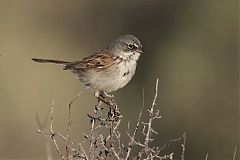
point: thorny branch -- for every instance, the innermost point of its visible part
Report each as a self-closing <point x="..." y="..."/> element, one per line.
<point x="110" y="146"/>
<point x="132" y="138"/>
<point x="151" y="118"/>
<point x="52" y="134"/>
<point x="68" y="144"/>
<point x="147" y="152"/>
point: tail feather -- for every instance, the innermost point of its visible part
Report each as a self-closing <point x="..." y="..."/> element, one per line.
<point x="50" y="61"/>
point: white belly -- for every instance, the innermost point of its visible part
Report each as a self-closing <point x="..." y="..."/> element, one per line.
<point x="109" y="79"/>
<point x="113" y="78"/>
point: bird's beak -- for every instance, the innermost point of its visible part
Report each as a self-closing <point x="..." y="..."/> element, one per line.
<point x="140" y="50"/>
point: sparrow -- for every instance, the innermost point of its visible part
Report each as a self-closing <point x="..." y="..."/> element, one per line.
<point x="106" y="70"/>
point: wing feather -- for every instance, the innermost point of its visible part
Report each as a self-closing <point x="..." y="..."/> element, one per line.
<point x="99" y="60"/>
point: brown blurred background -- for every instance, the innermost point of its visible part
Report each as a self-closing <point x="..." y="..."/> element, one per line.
<point x="191" y="46"/>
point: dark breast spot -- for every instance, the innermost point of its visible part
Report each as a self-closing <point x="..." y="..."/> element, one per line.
<point x="88" y="84"/>
<point x="126" y="73"/>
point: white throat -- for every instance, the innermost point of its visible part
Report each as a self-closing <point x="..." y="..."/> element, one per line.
<point x="130" y="56"/>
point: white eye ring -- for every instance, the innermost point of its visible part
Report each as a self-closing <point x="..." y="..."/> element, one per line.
<point x="131" y="46"/>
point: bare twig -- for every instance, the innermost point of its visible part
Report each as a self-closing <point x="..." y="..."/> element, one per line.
<point x="108" y="145"/>
<point x="83" y="151"/>
<point x="92" y="139"/>
<point x="147" y="151"/>
<point x="53" y="134"/>
<point x="42" y="126"/>
<point x="132" y="138"/>
<point x="120" y="144"/>
<point x="183" y="146"/>
<point x="68" y="145"/>
<point x="206" y="156"/>
<point x="170" y="142"/>
<point x="93" y="128"/>
<point x="235" y="153"/>
<point x="151" y="117"/>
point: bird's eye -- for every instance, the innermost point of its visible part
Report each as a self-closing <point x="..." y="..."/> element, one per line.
<point x="131" y="46"/>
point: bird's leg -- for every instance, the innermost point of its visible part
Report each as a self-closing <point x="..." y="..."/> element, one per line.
<point x="99" y="95"/>
<point x="107" y="95"/>
<point x="114" y="112"/>
<point x="97" y="107"/>
<point x="102" y="96"/>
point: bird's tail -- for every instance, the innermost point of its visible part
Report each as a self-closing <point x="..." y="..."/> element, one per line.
<point x="62" y="63"/>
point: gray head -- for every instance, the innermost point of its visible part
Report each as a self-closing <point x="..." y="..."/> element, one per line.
<point x="126" y="45"/>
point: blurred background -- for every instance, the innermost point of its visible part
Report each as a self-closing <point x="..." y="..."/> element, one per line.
<point x="191" y="46"/>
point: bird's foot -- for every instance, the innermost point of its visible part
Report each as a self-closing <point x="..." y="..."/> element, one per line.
<point x="107" y="95"/>
<point x="103" y="94"/>
<point x="105" y="98"/>
<point x="114" y="112"/>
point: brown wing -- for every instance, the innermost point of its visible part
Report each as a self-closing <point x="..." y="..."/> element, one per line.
<point x="99" y="60"/>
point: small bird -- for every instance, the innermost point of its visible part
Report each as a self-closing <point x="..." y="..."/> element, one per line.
<point x="107" y="70"/>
